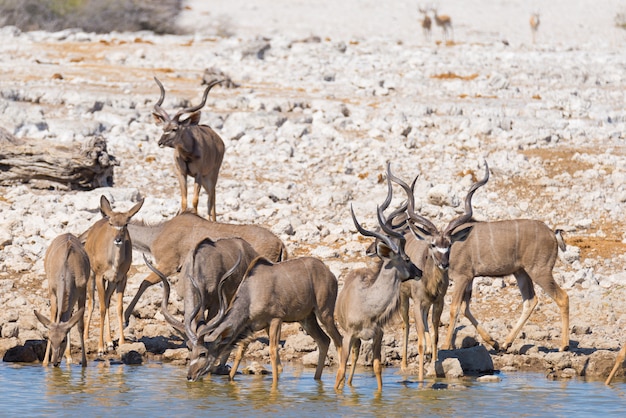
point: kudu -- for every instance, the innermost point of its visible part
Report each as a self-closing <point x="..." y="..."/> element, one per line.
<point x="426" y="22"/>
<point x="67" y="269"/>
<point x="369" y="298"/>
<point x="445" y="23"/>
<point x="198" y="150"/>
<point x="527" y="249"/>
<point x="300" y="290"/>
<point x="534" y="25"/>
<point x="109" y="247"/>
<point x="202" y="271"/>
<point x="429" y="249"/>
<point x="171" y="241"/>
<point x="621" y="356"/>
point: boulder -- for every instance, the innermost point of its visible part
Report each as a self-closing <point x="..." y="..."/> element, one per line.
<point x="473" y="360"/>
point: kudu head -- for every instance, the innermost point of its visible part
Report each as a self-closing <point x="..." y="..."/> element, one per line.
<point x="118" y="221"/>
<point x="440" y="242"/>
<point x="195" y="328"/>
<point x="203" y="356"/>
<point x="58" y="333"/>
<point x="173" y="127"/>
<point x="390" y="248"/>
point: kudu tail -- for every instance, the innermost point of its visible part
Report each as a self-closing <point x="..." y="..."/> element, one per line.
<point x="559" y="239"/>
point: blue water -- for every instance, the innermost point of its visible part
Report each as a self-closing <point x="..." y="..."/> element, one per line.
<point x="162" y="390"/>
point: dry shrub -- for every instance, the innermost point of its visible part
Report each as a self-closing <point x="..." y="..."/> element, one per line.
<point x="100" y="16"/>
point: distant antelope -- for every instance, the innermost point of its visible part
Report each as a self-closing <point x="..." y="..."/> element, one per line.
<point x="67" y="270"/>
<point x="429" y="249"/>
<point x="205" y="267"/>
<point x="369" y="298"/>
<point x="110" y="253"/>
<point x="426" y="22"/>
<point x="169" y="243"/>
<point x="445" y="23"/>
<point x="300" y="290"/>
<point x="534" y="24"/>
<point x="621" y="356"/>
<point x="198" y="150"/>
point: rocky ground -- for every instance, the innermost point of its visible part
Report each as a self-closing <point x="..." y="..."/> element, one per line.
<point x="309" y="124"/>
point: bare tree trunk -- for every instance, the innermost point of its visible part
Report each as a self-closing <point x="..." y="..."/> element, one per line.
<point x="35" y="161"/>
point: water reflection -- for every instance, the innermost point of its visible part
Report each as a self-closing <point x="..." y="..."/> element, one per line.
<point x="161" y="389"/>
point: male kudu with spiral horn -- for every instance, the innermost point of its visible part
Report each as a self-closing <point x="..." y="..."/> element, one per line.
<point x="198" y="150"/>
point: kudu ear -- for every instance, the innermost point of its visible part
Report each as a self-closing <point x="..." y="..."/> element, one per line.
<point x="105" y="207"/>
<point x="419" y="232"/>
<point x="219" y="335"/>
<point x="158" y="119"/>
<point x="45" y="321"/>
<point x="193" y="119"/>
<point x="75" y="318"/>
<point x="383" y="250"/>
<point x="134" y="209"/>
<point x="462" y="234"/>
<point x="370" y="251"/>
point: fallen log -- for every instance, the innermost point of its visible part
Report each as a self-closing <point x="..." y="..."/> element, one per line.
<point x="34" y="161"/>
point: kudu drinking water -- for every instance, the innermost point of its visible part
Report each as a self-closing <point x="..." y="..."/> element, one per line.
<point x="202" y="271"/>
<point x="198" y="150"/>
<point x="300" y="290"/>
<point x="67" y="270"/>
<point x="110" y="253"/>
<point x="429" y="249"/>
<point x="370" y="297"/>
<point x="171" y="241"/>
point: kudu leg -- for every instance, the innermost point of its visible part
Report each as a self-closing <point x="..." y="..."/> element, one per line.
<point x="241" y="350"/>
<point x="377" y="354"/>
<point x="436" y="320"/>
<point x="209" y="187"/>
<point x="182" y="185"/>
<point x="561" y="298"/>
<point x="461" y="296"/>
<point x="529" y="298"/>
<point x="618" y="362"/>
<point x="81" y="330"/>
<point x="404" y="314"/>
<point x="196" y="196"/>
<point x="458" y="295"/>
<point x="348" y="342"/>
<point x="322" y="340"/>
<point x="103" y="312"/>
<point x="274" y="335"/>
<point x="465" y="306"/>
<point x="356" y="349"/>
<point x="421" y="322"/>
<point x="150" y="280"/>
<point x="212" y="203"/>
<point x="53" y="318"/>
<point x="104" y="297"/>
<point x="46" y="358"/>
<point x="91" y="290"/>
<point x="119" y="288"/>
<point x="327" y="319"/>
<point x="68" y="348"/>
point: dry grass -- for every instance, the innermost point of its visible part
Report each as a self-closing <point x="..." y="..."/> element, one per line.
<point x="453" y="76"/>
